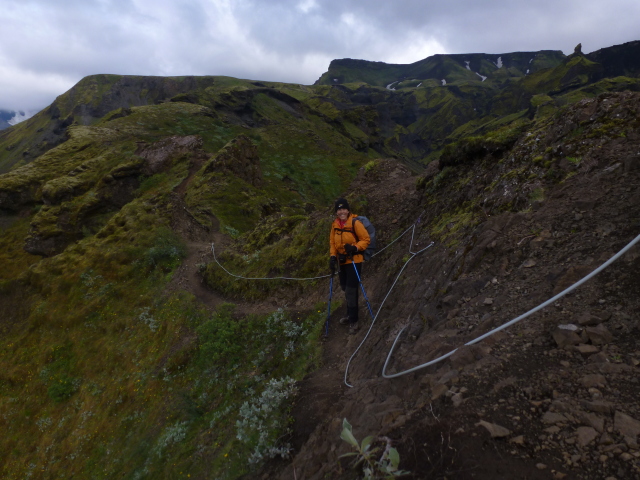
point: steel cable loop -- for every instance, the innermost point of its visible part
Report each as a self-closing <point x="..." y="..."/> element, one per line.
<point x="346" y="371"/>
<point x="413" y="254"/>
<point x="401" y="235"/>
<point x="260" y="278"/>
<point x="508" y="324"/>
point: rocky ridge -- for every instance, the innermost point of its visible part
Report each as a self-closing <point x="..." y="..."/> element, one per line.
<point x="554" y="396"/>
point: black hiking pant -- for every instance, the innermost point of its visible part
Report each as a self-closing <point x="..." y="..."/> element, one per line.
<point x="350" y="285"/>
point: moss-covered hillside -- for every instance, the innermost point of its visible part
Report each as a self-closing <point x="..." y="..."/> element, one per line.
<point x="109" y="371"/>
<point x="405" y="111"/>
<point x="113" y="365"/>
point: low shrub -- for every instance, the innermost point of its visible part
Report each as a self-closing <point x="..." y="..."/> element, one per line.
<point x="263" y="418"/>
<point x="63" y="388"/>
<point x="166" y="252"/>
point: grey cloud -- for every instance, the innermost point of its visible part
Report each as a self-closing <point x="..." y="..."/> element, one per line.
<point x="461" y="26"/>
<point x="283" y="40"/>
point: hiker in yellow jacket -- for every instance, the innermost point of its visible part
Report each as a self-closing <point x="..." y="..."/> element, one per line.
<point x="348" y="239"/>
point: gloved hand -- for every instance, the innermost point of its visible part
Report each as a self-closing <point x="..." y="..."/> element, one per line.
<point x="351" y="250"/>
<point x="333" y="263"/>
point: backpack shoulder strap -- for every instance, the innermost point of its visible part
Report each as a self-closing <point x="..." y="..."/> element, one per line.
<point x="336" y="227"/>
<point x="353" y="228"/>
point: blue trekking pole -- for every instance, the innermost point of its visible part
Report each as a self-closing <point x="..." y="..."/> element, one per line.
<point x="363" y="292"/>
<point x="326" y="325"/>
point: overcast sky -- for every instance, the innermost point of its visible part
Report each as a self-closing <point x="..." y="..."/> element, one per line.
<point x="49" y="45"/>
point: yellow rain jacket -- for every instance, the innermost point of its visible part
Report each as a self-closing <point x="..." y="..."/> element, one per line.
<point x="342" y="235"/>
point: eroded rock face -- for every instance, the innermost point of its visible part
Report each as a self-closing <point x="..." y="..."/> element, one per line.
<point x="62" y="189"/>
<point x="57" y="226"/>
<point x="37" y="244"/>
<point x="51" y="231"/>
<point x="12" y="200"/>
<point x="240" y="157"/>
<point x="159" y="155"/>
<point x="64" y="216"/>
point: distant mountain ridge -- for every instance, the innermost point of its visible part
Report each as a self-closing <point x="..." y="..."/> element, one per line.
<point x="617" y="60"/>
<point x="407" y="111"/>
<point x="449" y="67"/>
<point x="86" y="102"/>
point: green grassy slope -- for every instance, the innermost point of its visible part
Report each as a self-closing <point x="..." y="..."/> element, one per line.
<point x="104" y="375"/>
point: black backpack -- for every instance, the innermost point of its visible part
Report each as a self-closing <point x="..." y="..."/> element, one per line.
<point x="366" y="223"/>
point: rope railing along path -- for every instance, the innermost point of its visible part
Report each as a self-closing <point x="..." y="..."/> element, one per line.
<point x="213" y="251"/>
<point x="508" y="324"/>
<point x="413" y="254"/>
<point x="412" y="227"/>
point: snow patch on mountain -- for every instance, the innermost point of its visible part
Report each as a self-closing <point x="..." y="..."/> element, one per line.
<point x="481" y="76"/>
<point x="467" y="62"/>
<point x="499" y="62"/>
<point x="444" y="82"/>
<point x="390" y="86"/>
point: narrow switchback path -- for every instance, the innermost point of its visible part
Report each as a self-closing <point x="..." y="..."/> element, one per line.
<point x="198" y="240"/>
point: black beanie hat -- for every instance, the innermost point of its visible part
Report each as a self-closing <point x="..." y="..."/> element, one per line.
<point x="341" y="203"/>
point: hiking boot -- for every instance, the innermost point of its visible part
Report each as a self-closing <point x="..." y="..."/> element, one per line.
<point x="353" y="328"/>
<point x="344" y="321"/>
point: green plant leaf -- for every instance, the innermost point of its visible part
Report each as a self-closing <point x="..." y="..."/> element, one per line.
<point x="394" y="458"/>
<point x="349" y="454"/>
<point x="348" y="437"/>
<point x="346" y="424"/>
<point x="366" y="442"/>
